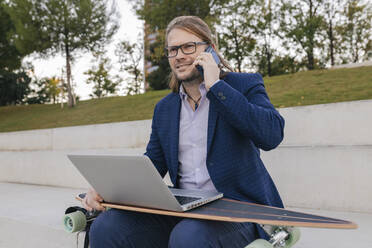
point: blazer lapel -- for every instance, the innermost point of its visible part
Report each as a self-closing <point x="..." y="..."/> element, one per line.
<point x="212" y="121"/>
<point x="174" y="124"/>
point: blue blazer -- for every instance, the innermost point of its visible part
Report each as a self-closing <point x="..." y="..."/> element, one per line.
<point x="241" y="121"/>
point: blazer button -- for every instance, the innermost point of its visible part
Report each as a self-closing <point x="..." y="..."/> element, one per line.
<point x="223" y="97"/>
<point x="220" y="94"/>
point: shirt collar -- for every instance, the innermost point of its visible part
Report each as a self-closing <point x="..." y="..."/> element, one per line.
<point x="203" y="91"/>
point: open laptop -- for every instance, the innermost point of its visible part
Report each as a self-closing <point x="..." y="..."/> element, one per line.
<point x="134" y="180"/>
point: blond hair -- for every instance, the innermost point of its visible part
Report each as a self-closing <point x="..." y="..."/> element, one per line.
<point x="198" y="27"/>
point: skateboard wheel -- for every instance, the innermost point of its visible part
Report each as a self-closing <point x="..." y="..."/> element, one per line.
<point x="294" y="236"/>
<point x="260" y="243"/>
<point x="74" y="222"/>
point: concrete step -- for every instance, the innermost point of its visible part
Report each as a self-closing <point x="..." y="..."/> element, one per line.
<point x="31" y="216"/>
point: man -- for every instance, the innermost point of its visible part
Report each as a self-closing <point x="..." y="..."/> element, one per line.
<point x="206" y="134"/>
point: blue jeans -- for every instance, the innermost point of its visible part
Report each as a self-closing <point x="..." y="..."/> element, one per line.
<point x="118" y="228"/>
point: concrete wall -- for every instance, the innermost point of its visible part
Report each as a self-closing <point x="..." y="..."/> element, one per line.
<point x="324" y="162"/>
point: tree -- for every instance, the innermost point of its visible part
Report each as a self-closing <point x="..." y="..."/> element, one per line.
<point x="68" y="27"/>
<point x="266" y="31"/>
<point x="237" y="31"/>
<point x="301" y="22"/>
<point x="159" y="13"/>
<point x="130" y="59"/>
<point x="356" y="30"/>
<point x="332" y="12"/>
<point x="10" y="57"/>
<point x="100" y="77"/>
<point x="54" y="89"/>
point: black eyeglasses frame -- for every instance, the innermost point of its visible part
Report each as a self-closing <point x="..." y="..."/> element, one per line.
<point x="180" y="46"/>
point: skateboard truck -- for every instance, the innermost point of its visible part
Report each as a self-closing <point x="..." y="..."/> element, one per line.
<point x="280" y="237"/>
<point x="76" y="219"/>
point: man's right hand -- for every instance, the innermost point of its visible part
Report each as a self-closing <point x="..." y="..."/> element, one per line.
<point x="92" y="200"/>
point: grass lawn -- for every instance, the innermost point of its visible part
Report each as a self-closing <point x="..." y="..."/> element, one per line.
<point x="320" y="86"/>
<point x="303" y="88"/>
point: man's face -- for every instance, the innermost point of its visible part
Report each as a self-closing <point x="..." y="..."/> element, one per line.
<point x="181" y="64"/>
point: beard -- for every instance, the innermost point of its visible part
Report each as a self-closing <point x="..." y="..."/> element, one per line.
<point x="193" y="78"/>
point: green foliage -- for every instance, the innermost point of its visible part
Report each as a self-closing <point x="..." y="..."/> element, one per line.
<point x="14" y="87"/>
<point x="301" y="22"/>
<point x="45" y="90"/>
<point x="130" y="58"/>
<point x="279" y="65"/>
<point x="99" y="76"/>
<point x="10" y="57"/>
<point x="356" y="31"/>
<point x="49" y="27"/>
<point x="159" y="79"/>
<point x="159" y="13"/>
<point x="237" y="39"/>
<point x="266" y="31"/>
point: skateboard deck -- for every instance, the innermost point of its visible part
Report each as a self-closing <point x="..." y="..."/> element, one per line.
<point x="280" y="224"/>
<point x="237" y="211"/>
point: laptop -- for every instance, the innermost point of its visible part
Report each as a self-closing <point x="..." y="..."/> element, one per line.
<point x="134" y="181"/>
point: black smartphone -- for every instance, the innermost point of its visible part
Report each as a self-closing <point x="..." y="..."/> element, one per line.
<point x="209" y="49"/>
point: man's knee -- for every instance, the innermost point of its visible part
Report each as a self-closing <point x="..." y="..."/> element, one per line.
<point x="189" y="233"/>
<point x="115" y="228"/>
<point x="109" y="229"/>
<point x="200" y="233"/>
<point x="101" y="230"/>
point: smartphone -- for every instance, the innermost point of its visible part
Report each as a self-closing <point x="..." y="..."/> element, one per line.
<point x="209" y="49"/>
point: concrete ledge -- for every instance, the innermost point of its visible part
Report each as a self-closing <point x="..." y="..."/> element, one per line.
<point x="344" y="123"/>
<point x="103" y="136"/>
<point x="49" y="167"/>
<point x="31" y="216"/>
<point x="26" y="140"/>
<point x="353" y="65"/>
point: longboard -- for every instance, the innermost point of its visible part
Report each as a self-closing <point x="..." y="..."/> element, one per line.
<point x="230" y="210"/>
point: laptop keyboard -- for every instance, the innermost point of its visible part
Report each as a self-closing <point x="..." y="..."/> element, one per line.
<point x="186" y="199"/>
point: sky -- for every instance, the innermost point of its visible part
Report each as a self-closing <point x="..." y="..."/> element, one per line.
<point x="130" y="27"/>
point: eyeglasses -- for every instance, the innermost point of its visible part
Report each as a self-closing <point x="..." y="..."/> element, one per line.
<point x="187" y="48"/>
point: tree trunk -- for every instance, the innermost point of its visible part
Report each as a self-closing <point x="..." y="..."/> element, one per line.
<point x="331" y="40"/>
<point x="310" y="58"/>
<point x="268" y="57"/>
<point x="71" y="98"/>
<point x="310" y="52"/>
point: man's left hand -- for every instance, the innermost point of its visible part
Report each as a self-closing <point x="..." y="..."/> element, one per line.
<point x="210" y="68"/>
